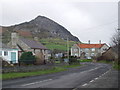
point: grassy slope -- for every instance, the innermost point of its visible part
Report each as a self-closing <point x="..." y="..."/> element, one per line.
<point x="58" y="44"/>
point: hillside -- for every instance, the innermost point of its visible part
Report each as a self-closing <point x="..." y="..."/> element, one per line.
<point x="49" y="33"/>
<point x="42" y="27"/>
<point x="57" y="44"/>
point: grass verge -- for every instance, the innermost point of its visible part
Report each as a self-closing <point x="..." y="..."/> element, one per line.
<point x="34" y="73"/>
<point x="104" y="61"/>
<point x="116" y="66"/>
<point x="85" y="60"/>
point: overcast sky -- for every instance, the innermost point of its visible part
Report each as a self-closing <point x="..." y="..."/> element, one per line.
<point x="87" y="20"/>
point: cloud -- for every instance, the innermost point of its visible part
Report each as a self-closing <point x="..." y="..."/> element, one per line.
<point x="86" y="20"/>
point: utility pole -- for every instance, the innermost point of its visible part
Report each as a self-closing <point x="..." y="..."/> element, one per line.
<point x="118" y="46"/>
<point x="68" y="47"/>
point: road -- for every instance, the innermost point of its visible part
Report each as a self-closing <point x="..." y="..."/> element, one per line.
<point x="74" y="78"/>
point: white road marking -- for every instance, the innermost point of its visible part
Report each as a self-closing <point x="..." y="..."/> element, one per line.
<point x="96" y="78"/>
<point x="36" y="82"/>
<point x="90" y="70"/>
<point x="92" y="81"/>
<point x="84" y="84"/>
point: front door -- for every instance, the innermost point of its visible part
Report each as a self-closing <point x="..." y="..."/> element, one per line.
<point x="13" y="57"/>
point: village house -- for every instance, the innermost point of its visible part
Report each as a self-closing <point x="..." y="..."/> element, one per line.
<point x="110" y="55"/>
<point x="87" y="51"/>
<point x="29" y="45"/>
<point x="8" y="54"/>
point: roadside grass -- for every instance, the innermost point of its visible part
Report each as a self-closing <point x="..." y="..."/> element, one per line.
<point x="33" y="73"/>
<point x="104" y="61"/>
<point x="0" y="76"/>
<point x="116" y="66"/>
<point x="13" y="75"/>
<point x="84" y="60"/>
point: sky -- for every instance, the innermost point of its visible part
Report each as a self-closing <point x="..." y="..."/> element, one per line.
<point x="92" y="20"/>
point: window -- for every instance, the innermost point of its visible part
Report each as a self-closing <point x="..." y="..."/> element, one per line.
<point x="92" y="54"/>
<point x="93" y="49"/>
<point x="5" y="53"/>
<point x="86" y="54"/>
<point x="86" y="49"/>
<point x="0" y="53"/>
<point x="75" y="50"/>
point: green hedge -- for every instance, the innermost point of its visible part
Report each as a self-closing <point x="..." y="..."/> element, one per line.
<point x="27" y="58"/>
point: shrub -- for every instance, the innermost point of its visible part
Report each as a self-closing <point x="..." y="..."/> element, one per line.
<point x="73" y="60"/>
<point x="27" y="58"/>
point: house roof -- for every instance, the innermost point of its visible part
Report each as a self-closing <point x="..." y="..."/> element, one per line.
<point x="4" y="46"/>
<point x="33" y="44"/>
<point x="90" y="45"/>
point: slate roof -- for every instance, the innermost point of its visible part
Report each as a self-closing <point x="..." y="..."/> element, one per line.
<point x="90" y="45"/>
<point x="4" y="46"/>
<point x="33" y="44"/>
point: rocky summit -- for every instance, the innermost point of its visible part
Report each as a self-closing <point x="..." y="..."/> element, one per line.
<point x="42" y="27"/>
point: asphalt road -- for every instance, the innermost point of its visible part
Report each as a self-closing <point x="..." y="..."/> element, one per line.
<point x="73" y="78"/>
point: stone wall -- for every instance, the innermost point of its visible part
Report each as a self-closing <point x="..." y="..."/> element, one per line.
<point x="26" y="68"/>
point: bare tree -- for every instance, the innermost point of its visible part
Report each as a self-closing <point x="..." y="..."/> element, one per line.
<point x="115" y="43"/>
<point x="115" y="39"/>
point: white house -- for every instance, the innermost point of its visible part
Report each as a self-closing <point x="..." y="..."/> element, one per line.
<point x="88" y="50"/>
<point x="8" y="54"/>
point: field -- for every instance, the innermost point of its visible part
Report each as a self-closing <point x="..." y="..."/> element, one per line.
<point x="57" y="44"/>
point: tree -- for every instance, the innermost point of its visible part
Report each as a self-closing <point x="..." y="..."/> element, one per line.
<point x="115" y="38"/>
<point x="115" y="43"/>
<point x="27" y="58"/>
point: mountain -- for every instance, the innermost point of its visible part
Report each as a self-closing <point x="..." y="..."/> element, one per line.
<point x="42" y="27"/>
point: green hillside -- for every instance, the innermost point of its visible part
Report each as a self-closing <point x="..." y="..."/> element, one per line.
<point x="57" y="43"/>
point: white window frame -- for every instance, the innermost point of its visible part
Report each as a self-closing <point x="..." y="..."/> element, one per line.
<point x="93" y="49"/>
<point x="92" y="54"/>
<point x="6" y="53"/>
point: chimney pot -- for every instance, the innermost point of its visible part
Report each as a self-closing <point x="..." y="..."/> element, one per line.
<point x="99" y="41"/>
<point x="88" y="41"/>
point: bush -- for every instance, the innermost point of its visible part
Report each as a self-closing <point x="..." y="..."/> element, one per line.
<point x="27" y="58"/>
<point x="73" y="60"/>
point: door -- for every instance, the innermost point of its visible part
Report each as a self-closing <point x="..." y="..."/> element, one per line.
<point x="13" y="57"/>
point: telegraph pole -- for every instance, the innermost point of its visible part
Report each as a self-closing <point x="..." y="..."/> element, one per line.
<point x="118" y="46"/>
<point x="68" y="47"/>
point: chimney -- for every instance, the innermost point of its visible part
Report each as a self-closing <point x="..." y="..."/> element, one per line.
<point x="14" y="39"/>
<point x="88" y="41"/>
<point x="99" y="41"/>
<point x="36" y="39"/>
